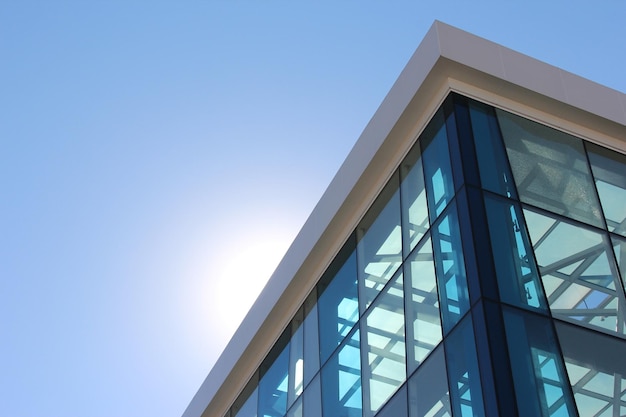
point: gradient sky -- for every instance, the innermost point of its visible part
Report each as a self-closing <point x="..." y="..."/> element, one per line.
<point x="157" y="158"/>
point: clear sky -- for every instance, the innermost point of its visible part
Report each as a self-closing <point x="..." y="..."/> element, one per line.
<point x="157" y="158"/>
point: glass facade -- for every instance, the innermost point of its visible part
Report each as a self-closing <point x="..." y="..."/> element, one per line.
<point x="486" y="279"/>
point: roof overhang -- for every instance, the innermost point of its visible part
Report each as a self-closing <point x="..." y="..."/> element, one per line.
<point x="448" y="59"/>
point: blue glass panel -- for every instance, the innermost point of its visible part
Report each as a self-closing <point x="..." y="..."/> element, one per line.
<point x="341" y="381"/>
<point x="274" y="382"/>
<point x="312" y="399"/>
<point x="379" y="247"/>
<point x="414" y="207"/>
<point x="494" y="169"/>
<point x="619" y="248"/>
<point x="596" y="367"/>
<point x="428" y="388"/>
<point x="578" y="272"/>
<point x="609" y="172"/>
<point x="338" y="304"/>
<point x="383" y="347"/>
<point x="397" y="406"/>
<point x="550" y="169"/>
<point x="517" y="273"/>
<point x="450" y="268"/>
<point x="423" y="327"/>
<point x="463" y="374"/>
<point x="437" y="167"/>
<point x="538" y="373"/>
<point x="311" y="339"/>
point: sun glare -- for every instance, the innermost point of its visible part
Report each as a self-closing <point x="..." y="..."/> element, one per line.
<point x="242" y="278"/>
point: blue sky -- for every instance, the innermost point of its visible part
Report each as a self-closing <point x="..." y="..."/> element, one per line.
<point x="157" y="158"/>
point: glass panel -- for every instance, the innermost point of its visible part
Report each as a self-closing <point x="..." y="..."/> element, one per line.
<point x="338" y="304"/>
<point x="437" y="167"/>
<point x="609" y="171"/>
<point x="379" y="246"/>
<point x="463" y="375"/>
<point x="550" y="169"/>
<point x="494" y="169"/>
<point x="538" y="373"/>
<point x="296" y="358"/>
<point x="296" y="409"/>
<point x="397" y="406"/>
<point x="596" y="366"/>
<point x="578" y="274"/>
<point x="428" y="388"/>
<point x="414" y="206"/>
<point x="274" y="380"/>
<point x="311" y="339"/>
<point x="619" y="247"/>
<point x="450" y="268"/>
<point x="246" y="404"/>
<point x="518" y="277"/>
<point x="313" y="399"/>
<point x="383" y="347"/>
<point x="422" y="315"/>
<point x="341" y="381"/>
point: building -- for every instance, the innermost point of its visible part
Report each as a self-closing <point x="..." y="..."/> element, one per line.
<point x="469" y="258"/>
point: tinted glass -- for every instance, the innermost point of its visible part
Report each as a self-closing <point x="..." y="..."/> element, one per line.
<point x="538" y="373"/>
<point x="596" y="366"/>
<point x="517" y="273"/>
<point x="578" y="272"/>
<point x="423" y="328"/>
<point x="437" y="167"/>
<point x="450" y="268"/>
<point x="341" y="381"/>
<point x="246" y="404"/>
<point x="619" y="248"/>
<point x="428" y="388"/>
<point x="609" y="172"/>
<point x="379" y="246"/>
<point x="312" y="399"/>
<point x="383" y="349"/>
<point x="274" y="382"/>
<point x="550" y="169"/>
<point x="338" y="304"/>
<point x="494" y="169"/>
<point x="463" y="375"/>
<point x="414" y="206"/>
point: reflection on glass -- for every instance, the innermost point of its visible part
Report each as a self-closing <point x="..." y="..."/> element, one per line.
<point x="296" y="358"/>
<point x="619" y="248"/>
<point x="422" y="309"/>
<point x="396" y="406"/>
<point x="341" y="381"/>
<point x="414" y="206"/>
<point x="450" y="268"/>
<point x="274" y="381"/>
<point x="578" y="273"/>
<point x="338" y="304"/>
<point x="437" y="167"/>
<point x="462" y="362"/>
<point x="311" y="339"/>
<point x="596" y="367"/>
<point x="518" y="277"/>
<point x="538" y="374"/>
<point x="428" y="388"/>
<point x="312" y="399"/>
<point x="494" y="170"/>
<point x="379" y="246"/>
<point x="383" y="347"/>
<point x="296" y="409"/>
<point x="609" y="172"/>
<point x="550" y="169"/>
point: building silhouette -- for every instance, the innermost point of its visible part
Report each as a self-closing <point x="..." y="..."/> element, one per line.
<point x="468" y="259"/>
